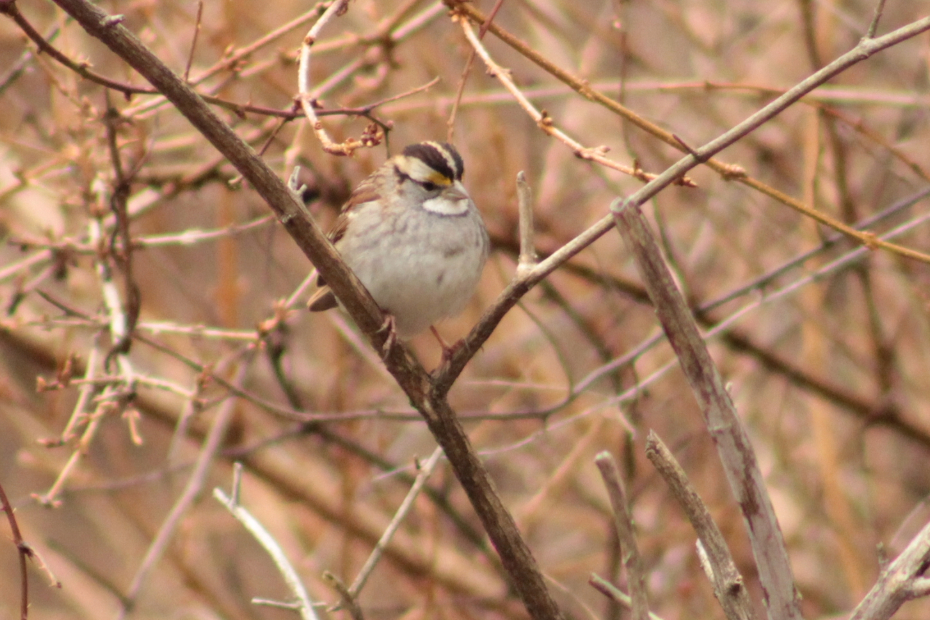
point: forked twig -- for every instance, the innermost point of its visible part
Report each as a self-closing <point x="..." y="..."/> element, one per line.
<point x="729" y="588"/>
<point x="305" y="98"/>
<point x="901" y="581"/>
<point x="231" y="502"/>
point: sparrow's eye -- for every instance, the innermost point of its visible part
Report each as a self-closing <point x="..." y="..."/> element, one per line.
<point x="429" y="186"/>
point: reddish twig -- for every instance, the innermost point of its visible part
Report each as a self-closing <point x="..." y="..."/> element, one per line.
<point x="190" y="54"/>
<point x="22" y="548"/>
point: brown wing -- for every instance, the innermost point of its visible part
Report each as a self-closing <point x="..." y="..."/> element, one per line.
<point x="365" y="192"/>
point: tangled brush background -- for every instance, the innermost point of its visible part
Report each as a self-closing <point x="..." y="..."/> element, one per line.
<point x="116" y="213"/>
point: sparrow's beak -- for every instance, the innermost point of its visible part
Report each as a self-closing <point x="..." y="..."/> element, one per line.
<point x="455" y="193"/>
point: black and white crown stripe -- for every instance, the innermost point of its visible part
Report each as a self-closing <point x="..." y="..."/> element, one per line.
<point x="440" y="156"/>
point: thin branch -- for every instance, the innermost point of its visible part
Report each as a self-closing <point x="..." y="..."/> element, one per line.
<point x="487" y="22"/>
<point x="613" y="593"/>
<point x="426" y="471"/>
<point x="873" y="26"/>
<point x="459" y="93"/>
<point x="190" y="54"/>
<point x="110" y="399"/>
<point x="545" y="122"/>
<point x="623" y="520"/>
<point x="338" y="7"/>
<point x="123" y="256"/>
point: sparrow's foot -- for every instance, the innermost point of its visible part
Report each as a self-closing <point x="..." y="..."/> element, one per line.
<point x="447" y="351"/>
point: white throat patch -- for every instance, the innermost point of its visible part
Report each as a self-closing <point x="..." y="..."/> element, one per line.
<point x="445" y="206"/>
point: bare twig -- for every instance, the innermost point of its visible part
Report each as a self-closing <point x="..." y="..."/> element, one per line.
<point x="728" y="584"/>
<point x="187" y="237"/>
<point x="79" y="411"/>
<point x="338" y="7"/>
<point x="615" y="594"/>
<point x="457" y="99"/>
<point x="528" y="258"/>
<point x="623" y="520"/>
<point x="487" y="22"/>
<point x="22" y="549"/>
<point x="425" y="471"/>
<point x="82" y="414"/>
<point x="876" y="17"/>
<point x="126" y="311"/>
<point x="190" y="54"/>
<point x="545" y="122"/>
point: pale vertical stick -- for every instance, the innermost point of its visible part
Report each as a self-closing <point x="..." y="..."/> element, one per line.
<point x="527" y="231"/>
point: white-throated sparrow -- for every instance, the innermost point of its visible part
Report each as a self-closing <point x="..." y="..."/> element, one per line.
<point x="414" y="238"/>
